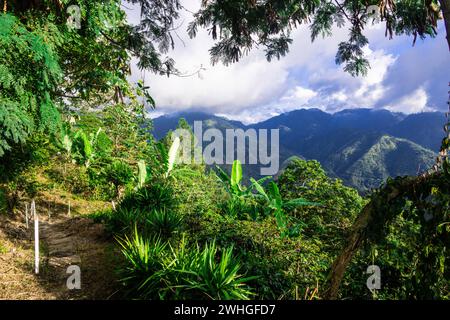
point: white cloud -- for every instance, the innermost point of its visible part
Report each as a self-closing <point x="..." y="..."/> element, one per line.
<point x="253" y="89"/>
<point x="298" y="96"/>
<point x="411" y="103"/>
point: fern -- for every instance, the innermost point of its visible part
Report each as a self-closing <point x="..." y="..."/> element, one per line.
<point x="15" y="124"/>
<point x="29" y="72"/>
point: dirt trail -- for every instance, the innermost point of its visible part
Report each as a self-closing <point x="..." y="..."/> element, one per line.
<point x="65" y="241"/>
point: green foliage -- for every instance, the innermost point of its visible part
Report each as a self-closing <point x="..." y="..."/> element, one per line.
<point x="155" y="195"/>
<point x="276" y="204"/>
<point x="164" y="222"/>
<point x="16" y="125"/>
<point x="123" y="220"/>
<point x="339" y="205"/>
<point x="204" y="274"/>
<point x="281" y="264"/>
<point x="287" y="242"/>
<point x="233" y="182"/>
<point x="29" y="70"/>
<point x="154" y="271"/>
<point x="242" y="203"/>
<point x="151" y="209"/>
<point x="196" y="191"/>
<point x="235" y="25"/>
<point x="119" y="174"/>
<point x="129" y="133"/>
<point x="142" y="173"/>
<point x="89" y="147"/>
<point x="143" y="270"/>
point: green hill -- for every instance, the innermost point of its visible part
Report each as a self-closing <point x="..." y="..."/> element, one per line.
<point x="361" y="147"/>
<point x="365" y="165"/>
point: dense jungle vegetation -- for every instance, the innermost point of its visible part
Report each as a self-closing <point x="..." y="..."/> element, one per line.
<point x="69" y="116"/>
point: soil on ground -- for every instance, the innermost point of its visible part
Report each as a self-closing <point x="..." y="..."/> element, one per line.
<point x="66" y="238"/>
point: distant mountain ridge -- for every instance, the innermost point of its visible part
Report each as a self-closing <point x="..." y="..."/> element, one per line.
<point x="360" y="146"/>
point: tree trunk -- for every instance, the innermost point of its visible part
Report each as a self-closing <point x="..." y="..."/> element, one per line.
<point x="445" y="7"/>
<point x="358" y="233"/>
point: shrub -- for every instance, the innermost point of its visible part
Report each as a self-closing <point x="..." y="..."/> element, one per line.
<point x="196" y="191"/>
<point x="163" y="222"/>
<point x="285" y="267"/>
<point x="242" y="208"/>
<point x="206" y="274"/>
<point x="154" y="269"/>
<point x="119" y="174"/>
<point x="123" y="220"/>
<point x="142" y="274"/>
<point x="340" y="205"/>
<point x="153" y="196"/>
<point x="74" y="178"/>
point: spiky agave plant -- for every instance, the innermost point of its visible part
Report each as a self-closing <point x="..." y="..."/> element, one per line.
<point x="142" y="272"/>
<point x="123" y="220"/>
<point x="164" y="222"/>
<point x="206" y="274"/>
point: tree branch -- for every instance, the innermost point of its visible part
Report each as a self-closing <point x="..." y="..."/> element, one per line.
<point x="387" y="196"/>
<point x="445" y="8"/>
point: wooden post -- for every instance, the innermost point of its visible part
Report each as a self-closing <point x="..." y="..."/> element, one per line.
<point x="36" y="238"/>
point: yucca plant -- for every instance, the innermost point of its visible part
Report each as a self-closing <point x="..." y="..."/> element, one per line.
<point x="123" y="220"/>
<point x="142" y="272"/>
<point x="206" y="274"/>
<point x="164" y="222"/>
<point x="154" y="269"/>
<point x="157" y="195"/>
<point x="154" y="195"/>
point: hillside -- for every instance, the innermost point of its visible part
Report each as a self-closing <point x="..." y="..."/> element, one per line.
<point x="98" y="201"/>
<point x="362" y="147"/>
<point x="366" y="165"/>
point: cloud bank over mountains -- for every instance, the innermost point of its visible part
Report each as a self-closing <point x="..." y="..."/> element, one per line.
<point x="402" y="78"/>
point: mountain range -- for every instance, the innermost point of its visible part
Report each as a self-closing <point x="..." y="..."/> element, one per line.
<point x="363" y="147"/>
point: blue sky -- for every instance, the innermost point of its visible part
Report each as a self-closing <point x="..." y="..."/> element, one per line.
<point x="402" y="78"/>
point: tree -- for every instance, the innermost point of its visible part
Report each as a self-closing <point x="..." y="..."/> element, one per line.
<point x="339" y="205"/>
<point x="47" y="67"/>
<point x="429" y="200"/>
<point x="240" y="25"/>
<point x="29" y="71"/>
